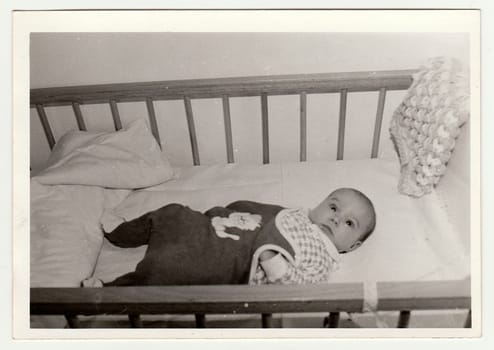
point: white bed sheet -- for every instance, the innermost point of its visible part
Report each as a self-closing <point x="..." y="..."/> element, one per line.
<point x="65" y="232"/>
<point x="86" y="173"/>
<point x="413" y="240"/>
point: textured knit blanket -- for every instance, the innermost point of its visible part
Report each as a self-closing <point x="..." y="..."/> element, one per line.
<point x="426" y="124"/>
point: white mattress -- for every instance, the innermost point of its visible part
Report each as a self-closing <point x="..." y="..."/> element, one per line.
<point x="413" y="240"/>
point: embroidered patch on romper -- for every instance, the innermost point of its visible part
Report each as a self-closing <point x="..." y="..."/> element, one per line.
<point x="243" y="221"/>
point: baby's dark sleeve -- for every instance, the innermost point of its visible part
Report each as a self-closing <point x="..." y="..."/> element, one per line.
<point x="218" y="211"/>
<point x="265" y="210"/>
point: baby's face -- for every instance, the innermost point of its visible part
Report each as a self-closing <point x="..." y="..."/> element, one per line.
<point x="344" y="217"/>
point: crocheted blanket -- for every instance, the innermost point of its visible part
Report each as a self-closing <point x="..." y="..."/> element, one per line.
<point x="426" y="124"/>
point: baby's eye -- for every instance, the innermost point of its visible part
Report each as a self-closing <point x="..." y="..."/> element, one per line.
<point x="332" y="207"/>
<point x="349" y="223"/>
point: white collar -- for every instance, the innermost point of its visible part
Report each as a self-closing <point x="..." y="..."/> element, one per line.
<point x="330" y="247"/>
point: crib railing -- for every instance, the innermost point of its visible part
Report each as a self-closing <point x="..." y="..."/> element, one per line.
<point x="241" y="299"/>
<point x="226" y="88"/>
<point x="403" y="297"/>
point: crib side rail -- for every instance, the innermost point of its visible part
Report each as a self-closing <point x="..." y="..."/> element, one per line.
<point x="224" y="89"/>
<point x="218" y="87"/>
<point x="349" y="297"/>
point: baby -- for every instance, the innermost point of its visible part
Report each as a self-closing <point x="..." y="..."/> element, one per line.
<point x="346" y="217"/>
<point x="244" y="242"/>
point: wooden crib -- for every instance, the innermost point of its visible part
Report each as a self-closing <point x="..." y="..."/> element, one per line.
<point x="403" y="297"/>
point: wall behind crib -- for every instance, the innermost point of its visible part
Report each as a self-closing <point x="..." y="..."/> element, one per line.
<point x="62" y="59"/>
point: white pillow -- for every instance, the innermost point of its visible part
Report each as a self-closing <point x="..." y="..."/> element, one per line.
<point x="68" y="143"/>
<point x="128" y="159"/>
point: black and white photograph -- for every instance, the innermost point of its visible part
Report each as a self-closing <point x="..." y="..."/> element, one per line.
<point x="317" y="180"/>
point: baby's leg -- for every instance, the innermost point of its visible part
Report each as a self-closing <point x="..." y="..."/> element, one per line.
<point x="137" y="232"/>
<point x="132" y="233"/>
<point x="129" y="279"/>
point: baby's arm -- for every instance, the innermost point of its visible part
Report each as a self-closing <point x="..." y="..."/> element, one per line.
<point x="266" y="255"/>
<point x="274" y="265"/>
<point x="279" y="270"/>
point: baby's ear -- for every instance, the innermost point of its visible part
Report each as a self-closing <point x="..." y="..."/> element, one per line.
<point x="355" y="245"/>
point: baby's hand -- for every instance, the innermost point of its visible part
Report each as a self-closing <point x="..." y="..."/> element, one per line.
<point x="275" y="266"/>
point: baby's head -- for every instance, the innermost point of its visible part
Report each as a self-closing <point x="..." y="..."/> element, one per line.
<point x="347" y="217"/>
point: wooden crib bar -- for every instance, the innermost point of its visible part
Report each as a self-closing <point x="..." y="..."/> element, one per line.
<point x="192" y="130"/>
<point x="115" y="115"/>
<point x="152" y="120"/>
<point x="378" y="123"/>
<point x="341" y="124"/>
<point x="225" y="88"/>
<point x="78" y="116"/>
<point x="227" y="299"/>
<point x="46" y="125"/>
<point x="232" y="87"/>
<point x="228" y="129"/>
<point x="303" y="126"/>
<point x="265" y="128"/>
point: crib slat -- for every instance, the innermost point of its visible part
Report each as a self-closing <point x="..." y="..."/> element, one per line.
<point x="115" y="115"/>
<point x="341" y="124"/>
<point x="303" y="126"/>
<point x="192" y="130"/>
<point x="46" y="125"/>
<point x="468" y="320"/>
<point x="228" y="129"/>
<point x="333" y="320"/>
<point x="265" y="128"/>
<point x="267" y="321"/>
<point x="73" y="321"/>
<point x="404" y="319"/>
<point x="135" y="321"/>
<point x="200" y="320"/>
<point x="78" y="116"/>
<point x="152" y="120"/>
<point x="378" y="124"/>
